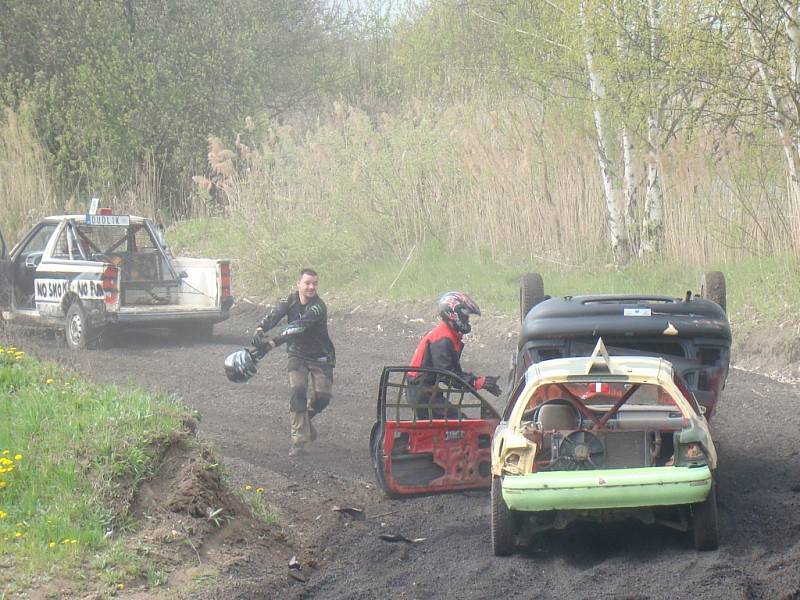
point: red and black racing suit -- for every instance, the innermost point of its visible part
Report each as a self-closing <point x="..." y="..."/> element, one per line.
<point x="440" y="348"/>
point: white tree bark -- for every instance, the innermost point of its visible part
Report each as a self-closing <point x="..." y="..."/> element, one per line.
<point x="787" y="128"/>
<point x="653" y="220"/>
<point x="630" y="191"/>
<point x="616" y="226"/>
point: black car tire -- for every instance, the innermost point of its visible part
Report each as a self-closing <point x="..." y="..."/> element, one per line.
<point x="705" y="523"/>
<point x="531" y="292"/>
<point x="78" y="332"/>
<point x="712" y="287"/>
<point x="504" y="531"/>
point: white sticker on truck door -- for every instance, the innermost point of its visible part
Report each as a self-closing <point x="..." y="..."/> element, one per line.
<point x="53" y="290"/>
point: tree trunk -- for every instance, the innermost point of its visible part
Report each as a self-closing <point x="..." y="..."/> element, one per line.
<point x="653" y="221"/>
<point x="630" y="192"/>
<point x="616" y="226"/>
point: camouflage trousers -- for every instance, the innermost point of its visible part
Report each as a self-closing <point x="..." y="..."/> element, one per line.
<point x="311" y="385"/>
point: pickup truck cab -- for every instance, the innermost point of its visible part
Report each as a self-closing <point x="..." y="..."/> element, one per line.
<point x="85" y="273"/>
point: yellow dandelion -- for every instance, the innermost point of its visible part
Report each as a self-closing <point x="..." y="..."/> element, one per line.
<point x="5" y="452"/>
<point x="18" y="457"/>
<point x="259" y="490"/>
<point x="120" y="586"/>
<point x="248" y="487"/>
<point x="73" y="541"/>
<point x="49" y="380"/>
<point x="18" y="534"/>
<point x="3" y="514"/>
<point x="51" y="545"/>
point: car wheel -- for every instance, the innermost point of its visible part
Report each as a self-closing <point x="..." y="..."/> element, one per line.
<point x="712" y="287"/>
<point x="504" y="534"/>
<point x="531" y="292"/>
<point x="77" y="329"/>
<point x="705" y="522"/>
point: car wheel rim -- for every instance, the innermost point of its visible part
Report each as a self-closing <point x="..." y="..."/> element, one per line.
<point x="75" y="330"/>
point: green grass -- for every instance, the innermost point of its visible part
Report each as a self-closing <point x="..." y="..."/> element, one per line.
<point x="81" y="449"/>
<point x="760" y="290"/>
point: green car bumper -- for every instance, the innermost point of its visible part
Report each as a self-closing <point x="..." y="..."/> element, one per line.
<point x="606" y="488"/>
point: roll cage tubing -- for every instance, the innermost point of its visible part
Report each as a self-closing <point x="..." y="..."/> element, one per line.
<point x="463" y="387"/>
<point x="130" y="237"/>
<point x="576" y="403"/>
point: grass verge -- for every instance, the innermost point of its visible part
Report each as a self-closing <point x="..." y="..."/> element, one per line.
<point x="73" y="455"/>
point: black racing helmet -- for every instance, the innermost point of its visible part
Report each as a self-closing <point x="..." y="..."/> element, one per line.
<point x="455" y="309"/>
<point x="240" y="365"/>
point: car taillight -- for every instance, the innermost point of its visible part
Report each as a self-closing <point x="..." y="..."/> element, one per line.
<point x="111" y="286"/>
<point x="225" y="279"/>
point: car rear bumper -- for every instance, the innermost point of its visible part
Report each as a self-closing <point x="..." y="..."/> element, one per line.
<point x="159" y="316"/>
<point x="607" y="488"/>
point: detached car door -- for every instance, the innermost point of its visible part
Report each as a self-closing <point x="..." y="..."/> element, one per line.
<point x="430" y="437"/>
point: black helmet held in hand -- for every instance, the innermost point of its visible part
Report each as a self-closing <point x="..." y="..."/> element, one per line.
<point x="455" y="309"/>
<point x="240" y="365"/>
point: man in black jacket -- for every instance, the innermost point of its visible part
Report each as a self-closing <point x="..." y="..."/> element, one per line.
<point x="312" y="356"/>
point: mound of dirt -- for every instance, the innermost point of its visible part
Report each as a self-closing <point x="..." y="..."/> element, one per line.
<point x="771" y="351"/>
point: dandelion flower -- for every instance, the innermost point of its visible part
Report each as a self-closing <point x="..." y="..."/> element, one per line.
<point x="18" y="534"/>
<point x="49" y="380"/>
<point x="3" y="515"/>
<point x="51" y="545"/>
<point x="120" y="586"/>
<point x="259" y="490"/>
<point x="18" y="457"/>
<point x="248" y="487"/>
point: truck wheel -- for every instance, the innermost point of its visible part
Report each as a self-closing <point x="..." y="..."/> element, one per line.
<point x="531" y="292"/>
<point x="504" y="533"/>
<point x="77" y="329"/>
<point x="705" y="522"/>
<point x="712" y="287"/>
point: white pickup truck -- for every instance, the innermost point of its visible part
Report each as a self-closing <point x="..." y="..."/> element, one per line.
<point x="85" y="273"/>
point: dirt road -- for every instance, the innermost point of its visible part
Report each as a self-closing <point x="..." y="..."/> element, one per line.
<point x="757" y="428"/>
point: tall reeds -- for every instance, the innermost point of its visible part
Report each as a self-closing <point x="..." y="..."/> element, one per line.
<point x="503" y="181"/>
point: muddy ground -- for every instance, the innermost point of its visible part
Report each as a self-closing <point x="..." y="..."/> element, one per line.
<point x="757" y="428"/>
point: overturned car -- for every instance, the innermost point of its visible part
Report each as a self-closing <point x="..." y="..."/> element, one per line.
<point x="602" y="437"/>
<point x="691" y="332"/>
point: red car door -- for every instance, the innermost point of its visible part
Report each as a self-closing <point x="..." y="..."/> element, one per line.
<point x="432" y="437"/>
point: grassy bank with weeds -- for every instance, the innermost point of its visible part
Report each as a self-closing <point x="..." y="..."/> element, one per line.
<point x="761" y="291"/>
<point x="72" y="454"/>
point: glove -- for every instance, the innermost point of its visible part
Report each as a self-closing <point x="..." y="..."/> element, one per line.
<point x="490" y="385"/>
<point x="262" y="341"/>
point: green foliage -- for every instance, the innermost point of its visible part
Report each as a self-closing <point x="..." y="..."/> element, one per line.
<point x="83" y="449"/>
<point x="111" y="86"/>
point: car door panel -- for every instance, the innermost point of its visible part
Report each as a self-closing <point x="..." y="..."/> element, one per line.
<point x="414" y="454"/>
